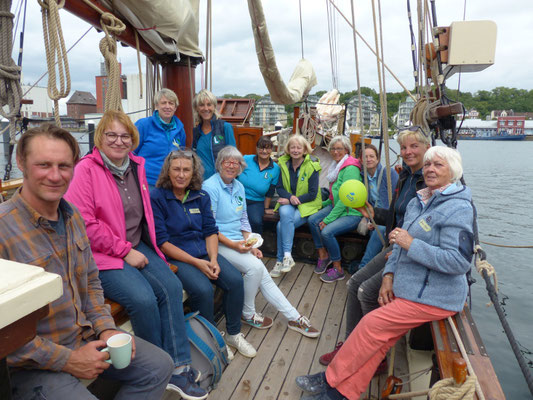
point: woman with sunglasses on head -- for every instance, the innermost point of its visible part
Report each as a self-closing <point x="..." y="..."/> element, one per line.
<point x="188" y="235"/>
<point x="236" y="245"/>
<point x="110" y="190"/>
<point x="259" y="179"/>
<point x="211" y="134"/>
<point x="299" y="197"/>
<point x="365" y="284"/>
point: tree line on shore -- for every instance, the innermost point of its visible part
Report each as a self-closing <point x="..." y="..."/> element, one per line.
<point x="484" y="101"/>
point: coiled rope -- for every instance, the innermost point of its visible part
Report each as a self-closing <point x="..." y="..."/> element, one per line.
<point x="10" y="91"/>
<point x="111" y="25"/>
<point x="447" y="389"/>
<point x="55" y="53"/>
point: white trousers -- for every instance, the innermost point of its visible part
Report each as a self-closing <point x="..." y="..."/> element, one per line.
<point x="255" y="277"/>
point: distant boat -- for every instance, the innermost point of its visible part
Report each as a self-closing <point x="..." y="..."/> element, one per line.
<point x="470" y="136"/>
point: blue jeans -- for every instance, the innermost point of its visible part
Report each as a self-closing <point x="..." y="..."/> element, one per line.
<point x="289" y="220"/>
<point x="373" y="247"/>
<point x="145" y="378"/>
<point x="256" y="210"/>
<point x="152" y="297"/>
<point x="326" y="236"/>
<point x="201" y="294"/>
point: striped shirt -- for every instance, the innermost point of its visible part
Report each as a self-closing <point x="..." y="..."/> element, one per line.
<point x="80" y="314"/>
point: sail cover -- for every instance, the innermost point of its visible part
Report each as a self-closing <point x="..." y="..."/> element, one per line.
<point x="168" y="26"/>
<point x="303" y="77"/>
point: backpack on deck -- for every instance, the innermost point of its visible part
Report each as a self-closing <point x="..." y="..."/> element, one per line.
<point x="209" y="353"/>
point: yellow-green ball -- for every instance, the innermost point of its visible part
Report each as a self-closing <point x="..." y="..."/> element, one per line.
<point x="353" y="193"/>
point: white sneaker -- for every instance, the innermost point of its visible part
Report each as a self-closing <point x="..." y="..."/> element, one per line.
<point x="276" y="271"/>
<point x="241" y="345"/>
<point x="288" y="263"/>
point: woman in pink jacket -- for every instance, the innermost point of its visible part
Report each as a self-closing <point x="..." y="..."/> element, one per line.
<point x="110" y="190"/>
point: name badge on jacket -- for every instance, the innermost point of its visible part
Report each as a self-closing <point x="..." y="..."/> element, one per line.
<point x="194" y="211"/>
<point x="424" y="225"/>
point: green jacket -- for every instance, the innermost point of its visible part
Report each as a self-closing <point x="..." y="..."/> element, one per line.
<point x="339" y="209"/>
<point x="309" y="165"/>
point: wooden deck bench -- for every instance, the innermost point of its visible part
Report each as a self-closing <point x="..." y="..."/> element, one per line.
<point x="352" y="244"/>
<point x="446" y="350"/>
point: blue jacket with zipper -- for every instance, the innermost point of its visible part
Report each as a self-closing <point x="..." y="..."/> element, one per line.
<point x="433" y="271"/>
<point x="184" y="224"/>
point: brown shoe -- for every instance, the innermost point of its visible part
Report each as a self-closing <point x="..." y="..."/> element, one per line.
<point x="303" y="326"/>
<point x="325" y="359"/>
<point x="258" y="321"/>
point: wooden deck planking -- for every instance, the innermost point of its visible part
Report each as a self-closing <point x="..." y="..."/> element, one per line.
<point x="284" y="354"/>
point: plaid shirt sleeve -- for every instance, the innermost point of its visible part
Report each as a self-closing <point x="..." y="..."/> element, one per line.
<point x="80" y="314"/>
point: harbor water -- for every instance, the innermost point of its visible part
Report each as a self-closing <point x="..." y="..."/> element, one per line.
<point x="500" y="175"/>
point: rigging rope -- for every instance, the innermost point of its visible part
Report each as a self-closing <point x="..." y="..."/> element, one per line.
<point x="480" y="255"/>
<point x="10" y="91"/>
<point x="301" y="28"/>
<point x="55" y="53"/>
<point x="332" y="46"/>
<point x="373" y="51"/>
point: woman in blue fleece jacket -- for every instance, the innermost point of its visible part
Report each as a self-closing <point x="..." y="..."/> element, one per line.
<point x="424" y="278"/>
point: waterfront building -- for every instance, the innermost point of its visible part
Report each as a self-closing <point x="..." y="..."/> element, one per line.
<point x="267" y="113"/>
<point x="370" y="113"/>
<point x="404" y="110"/>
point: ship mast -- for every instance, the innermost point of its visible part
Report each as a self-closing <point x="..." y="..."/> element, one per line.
<point x="178" y="76"/>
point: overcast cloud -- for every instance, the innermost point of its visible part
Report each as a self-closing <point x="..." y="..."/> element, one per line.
<point x="235" y="67"/>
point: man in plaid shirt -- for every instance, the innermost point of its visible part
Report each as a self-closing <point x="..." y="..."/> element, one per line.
<point x="39" y="227"/>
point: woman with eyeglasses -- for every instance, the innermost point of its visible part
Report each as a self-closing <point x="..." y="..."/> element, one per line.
<point x="159" y="134"/>
<point x="211" y="134"/>
<point x="229" y="209"/>
<point x="259" y="179"/>
<point x="188" y="235"/>
<point x="299" y="197"/>
<point x="110" y="190"/>
<point x="335" y="218"/>
<point x="365" y="284"/>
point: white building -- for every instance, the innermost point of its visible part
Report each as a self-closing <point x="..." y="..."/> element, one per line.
<point x="42" y="106"/>
<point x="370" y="113"/>
<point x="404" y="110"/>
<point x="267" y="113"/>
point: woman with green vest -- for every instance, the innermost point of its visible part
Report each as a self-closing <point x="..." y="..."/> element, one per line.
<point x="299" y="197"/>
<point x="335" y="218"/>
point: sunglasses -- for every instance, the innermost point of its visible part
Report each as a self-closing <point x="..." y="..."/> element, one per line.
<point x="414" y="128"/>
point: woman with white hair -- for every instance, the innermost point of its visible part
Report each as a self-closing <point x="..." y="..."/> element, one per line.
<point x="299" y="197"/>
<point x="335" y="218"/>
<point x="424" y="278"/>
<point x="211" y="134"/>
<point x="159" y="134"/>
<point x="229" y="209"/>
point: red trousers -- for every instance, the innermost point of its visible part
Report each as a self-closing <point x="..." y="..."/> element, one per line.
<point x="353" y="367"/>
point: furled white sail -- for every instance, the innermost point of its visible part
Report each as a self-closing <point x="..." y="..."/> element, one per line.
<point x="168" y="26"/>
<point x="303" y="77"/>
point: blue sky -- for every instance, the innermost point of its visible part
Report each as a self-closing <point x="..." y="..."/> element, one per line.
<point x="235" y="63"/>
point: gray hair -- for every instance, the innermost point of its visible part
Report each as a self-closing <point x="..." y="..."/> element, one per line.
<point x="200" y="98"/>
<point x="451" y="156"/>
<point x="168" y="94"/>
<point x="230" y="152"/>
<point x="416" y="132"/>
<point x="344" y="140"/>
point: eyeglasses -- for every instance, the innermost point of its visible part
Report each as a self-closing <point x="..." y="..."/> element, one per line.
<point x="338" y="149"/>
<point x="267" y="149"/>
<point x="112" y="137"/>
<point x="229" y="163"/>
